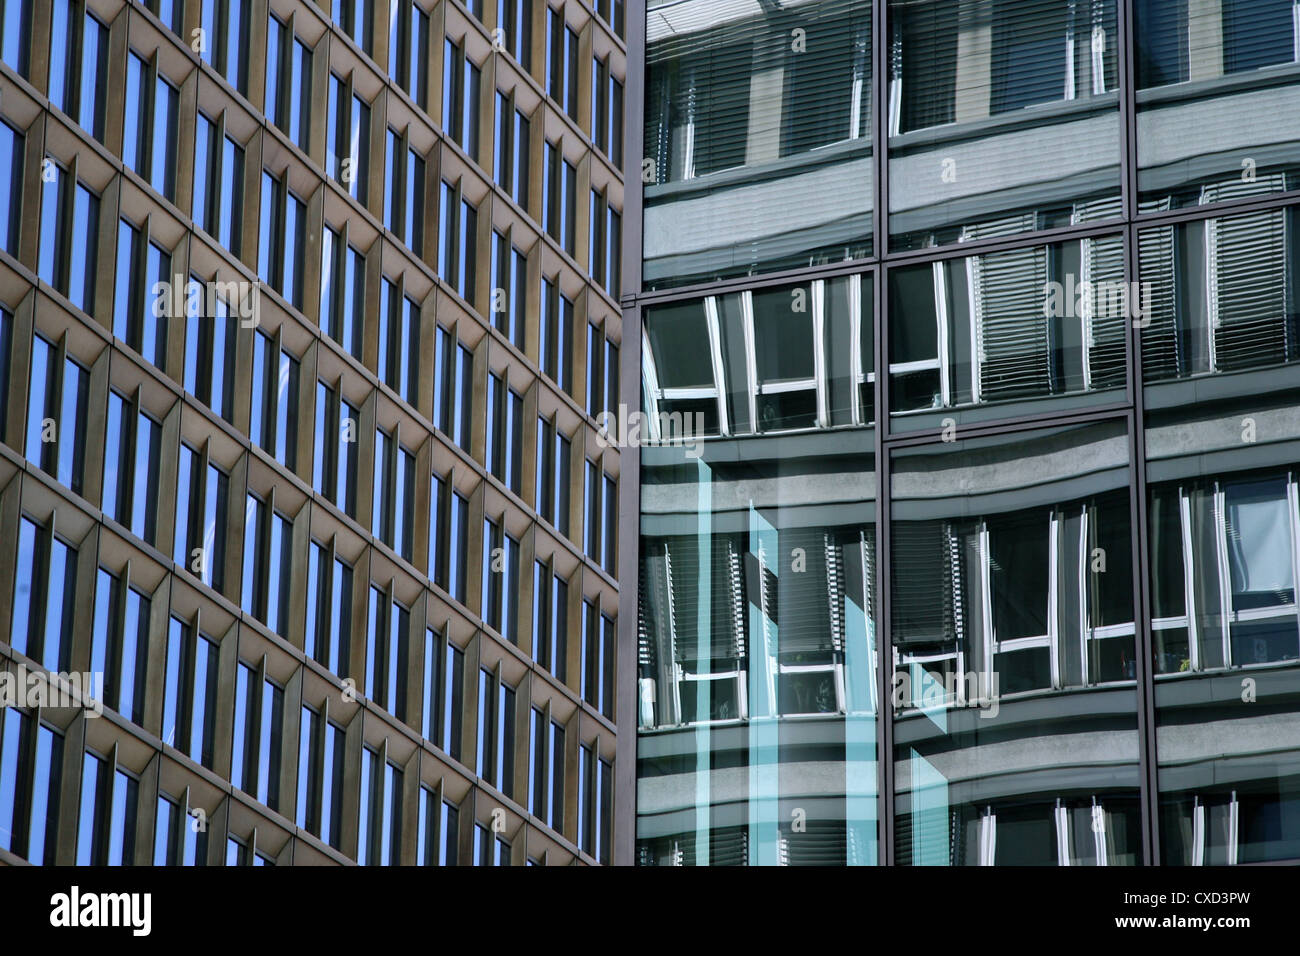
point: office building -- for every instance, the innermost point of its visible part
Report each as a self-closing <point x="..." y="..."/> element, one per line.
<point x="306" y="313"/>
<point x="989" y="311"/>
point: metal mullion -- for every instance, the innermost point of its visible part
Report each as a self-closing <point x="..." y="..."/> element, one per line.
<point x="1127" y="76"/>
<point x="1143" y="640"/>
<point x="1227" y="207"/>
<point x="880" y="241"/>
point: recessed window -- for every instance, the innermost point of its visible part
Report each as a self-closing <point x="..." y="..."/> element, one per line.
<point x="119" y="644"/>
<point x="202" y="492"/>
<point x="226" y="48"/>
<point x="288" y="82"/>
<point x="282" y="243"/>
<point x="143" y="274"/>
<point x="334" y="449"/>
<point x="273" y="422"/>
<point x="31" y="771"/>
<point x="461" y="81"/>
<point x="190" y="692"/>
<point x="131" y="467"/>
<point x="258" y="728"/>
<point x="149" y="139"/>
<point x="56" y="414"/>
<point x="393" y="505"/>
<point x="347" y="149"/>
<point x="342" y="291"/>
<point x="69" y="228"/>
<point x="218" y="183"/>
<point x="408" y="50"/>
<point x="45" y="584"/>
<point x="320" y="776"/>
<point x="329" y="609"/>
<point x="268" y="538"/>
<point x="78" y="83"/>
<point x="505" y="433"/>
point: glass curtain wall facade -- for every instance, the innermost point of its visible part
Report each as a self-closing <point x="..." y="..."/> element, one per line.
<point x="298" y="395"/>
<point x="969" y="522"/>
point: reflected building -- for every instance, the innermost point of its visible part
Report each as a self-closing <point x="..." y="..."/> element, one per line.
<point x="1027" y="596"/>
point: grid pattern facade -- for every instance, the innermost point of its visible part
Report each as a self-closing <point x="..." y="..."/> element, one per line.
<point x="969" y="531"/>
<point x="305" y="316"/>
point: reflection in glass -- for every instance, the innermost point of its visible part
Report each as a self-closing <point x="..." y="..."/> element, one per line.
<point x="757" y="138"/>
<point x="1003" y="117"/>
<point x="1018" y="325"/>
<point x="769" y="360"/>
<point x="1229" y="71"/>
<point x="757" y="707"/>
<point x="1015" y="729"/>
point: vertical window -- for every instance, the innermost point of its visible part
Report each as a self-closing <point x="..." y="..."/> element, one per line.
<point x="143" y="275"/>
<point x="561" y="62"/>
<point x="458" y="241"/>
<point x="515" y="19"/>
<point x="510" y="160"/>
<point x="550" y="619"/>
<point x="505" y="433"/>
<point x="131" y="467"/>
<point x="282" y="243"/>
<point x="393" y="520"/>
<point x="329" y="609"/>
<point x="509" y="295"/>
<point x="496" y="732"/>
<point x="347" y="149"/>
<point x="598" y="642"/>
<point x="436" y="843"/>
<point x="408" y="50"/>
<point x="259" y="725"/>
<point x="356" y="17"/>
<point x="210" y="355"/>
<point x="202" y="491"/>
<point x="334" y="451"/>
<point x="190" y="692"/>
<point x="605" y="244"/>
<point x="119" y="644"/>
<point x="399" y="340"/>
<point x="16" y="38"/>
<point x="78" y="83"/>
<point x="180" y="839"/>
<point x="500" y="580"/>
<point x="451" y="700"/>
<point x="460" y="98"/>
<point x="320" y="777"/>
<point x="381" y="811"/>
<point x="56" y="414"/>
<point x="11" y="166"/>
<point x="218" y="183"/>
<point x="288" y="82"/>
<point x="342" y="291"/>
<point x="226" y="23"/>
<point x="586" y="800"/>
<point x="69" y="226"/>
<point x="404" y="198"/>
<point x="606" y="111"/>
<point x="44" y="588"/>
<point x="149" y="139"/>
<point x="546" y="769"/>
<point x="559" y="210"/>
<point x="268" y="536"/>
<point x="448" y="538"/>
<point x="273" y="424"/>
<point x="555" y="335"/>
<point x="387" y="630"/>
<point x="453" y="389"/>
<point x="31" y="761"/>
